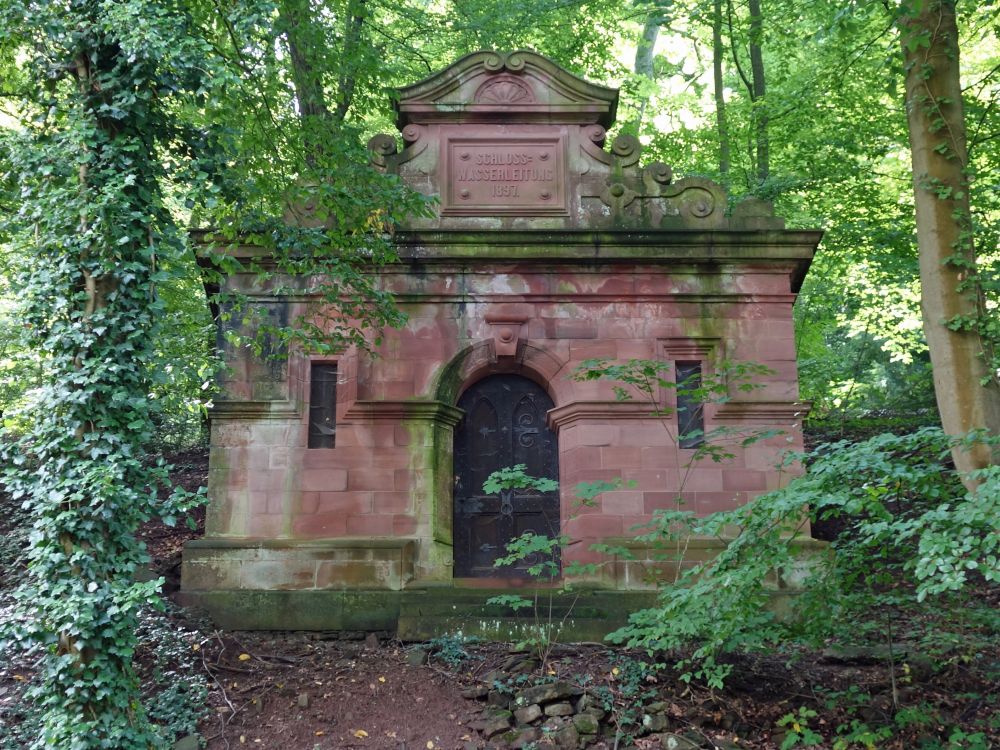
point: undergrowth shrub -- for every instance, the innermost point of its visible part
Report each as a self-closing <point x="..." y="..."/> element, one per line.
<point x="915" y="543"/>
<point x="174" y="690"/>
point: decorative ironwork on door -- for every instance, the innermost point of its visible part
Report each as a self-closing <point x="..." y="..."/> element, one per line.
<point x="504" y="425"/>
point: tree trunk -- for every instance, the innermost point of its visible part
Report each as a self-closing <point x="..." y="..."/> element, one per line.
<point x="936" y="119"/>
<point x="720" y="101"/>
<point x="647" y="46"/>
<point x="295" y="23"/>
<point x="349" y="60"/>
<point x="762" y="143"/>
<point x="293" y="16"/>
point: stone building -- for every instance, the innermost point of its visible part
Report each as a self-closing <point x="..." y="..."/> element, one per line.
<point x="346" y="491"/>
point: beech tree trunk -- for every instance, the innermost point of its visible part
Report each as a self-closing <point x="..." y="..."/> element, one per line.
<point x="719" y="85"/>
<point x="295" y="23"/>
<point x="647" y="43"/>
<point x="350" y="58"/>
<point x="644" y="51"/>
<point x="936" y="119"/>
<point x="762" y="141"/>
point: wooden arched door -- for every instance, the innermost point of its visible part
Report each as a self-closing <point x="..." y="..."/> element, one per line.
<point x="504" y="425"/>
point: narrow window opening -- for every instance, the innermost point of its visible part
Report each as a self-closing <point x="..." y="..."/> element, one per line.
<point x="322" y="405"/>
<point x="690" y="413"/>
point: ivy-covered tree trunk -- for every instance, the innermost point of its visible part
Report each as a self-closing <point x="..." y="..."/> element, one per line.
<point x="94" y="228"/>
<point x="968" y="397"/>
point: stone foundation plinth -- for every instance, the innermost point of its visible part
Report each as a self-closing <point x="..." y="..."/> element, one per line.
<point x="346" y="563"/>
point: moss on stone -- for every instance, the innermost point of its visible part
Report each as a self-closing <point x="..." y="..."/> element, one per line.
<point x="422" y="614"/>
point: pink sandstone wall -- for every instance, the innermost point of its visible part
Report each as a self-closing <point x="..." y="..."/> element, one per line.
<point x="389" y="475"/>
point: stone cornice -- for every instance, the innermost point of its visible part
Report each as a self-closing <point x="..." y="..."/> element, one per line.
<point x="701" y="251"/>
<point x="761" y="412"/>
<point x="594" y="241"/>
<point x="696" y="248"/>
<point x="394" y="411"/>
<point x="580" y="411"/>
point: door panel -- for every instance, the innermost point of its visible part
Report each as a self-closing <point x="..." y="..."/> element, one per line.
<point x="504" y="425"/>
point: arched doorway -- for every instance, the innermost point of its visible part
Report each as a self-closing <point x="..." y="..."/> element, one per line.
<point x="504" y="425"/>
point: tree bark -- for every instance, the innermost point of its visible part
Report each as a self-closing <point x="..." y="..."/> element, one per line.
<point x="293" y="17"/>
<point x="647" y="46"/>
<point x="936" y="119"/>
<point x="352" y="48"/>
<point x="295" y="23"/>
<point x="720" y="101"/>
<point x="762" y="142"/>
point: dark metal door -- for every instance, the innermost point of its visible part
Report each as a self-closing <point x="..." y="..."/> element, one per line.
<point x="504" y="425"/>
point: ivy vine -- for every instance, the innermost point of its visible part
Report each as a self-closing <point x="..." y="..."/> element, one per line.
<point x="139" y="118"/>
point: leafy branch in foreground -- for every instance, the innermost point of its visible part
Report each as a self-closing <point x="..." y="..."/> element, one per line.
<point x="540" y="555"/>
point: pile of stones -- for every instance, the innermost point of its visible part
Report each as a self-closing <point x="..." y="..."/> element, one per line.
<point x="562" y="715"/>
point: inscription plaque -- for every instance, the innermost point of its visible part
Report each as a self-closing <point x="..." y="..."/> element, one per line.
<point x="504" y="176"/>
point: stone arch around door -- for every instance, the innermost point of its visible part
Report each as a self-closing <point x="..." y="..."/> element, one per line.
<point x="475" y="363"/>
<point x="504" y="424"/>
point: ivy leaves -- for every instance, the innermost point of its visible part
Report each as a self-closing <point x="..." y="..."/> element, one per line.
<point x="92" y="235"/>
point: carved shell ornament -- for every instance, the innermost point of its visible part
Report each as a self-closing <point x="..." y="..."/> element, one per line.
<point x="505" y="90"/>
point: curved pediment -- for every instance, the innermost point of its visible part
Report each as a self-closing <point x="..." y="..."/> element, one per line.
<point x="516" y="87"/>
<point x="513" y="141"/>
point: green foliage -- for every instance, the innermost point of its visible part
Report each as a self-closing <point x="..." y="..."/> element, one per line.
<point x="450" y="648"/>
<point x="540" y="555"/>
<point x="95" y="239"/>
<point x="629" y="686"/>
<point x="719" y="606"/>
<point x="857" y="734"/>
<point x="174" y="691"/>
<point x="516" y="478"/>
<point x="797" y="731"/>
<point x="534" y="547"/>
<point x="913" y="534"/>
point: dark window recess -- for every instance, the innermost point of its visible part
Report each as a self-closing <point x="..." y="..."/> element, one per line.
<point x="322" y="405"/>
<point x="690" y="414"/>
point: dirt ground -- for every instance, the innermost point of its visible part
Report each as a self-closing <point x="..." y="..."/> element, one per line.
<point x="313" y="691"/>
<point x="297" y="691"/>
<point x="300" y="691"/>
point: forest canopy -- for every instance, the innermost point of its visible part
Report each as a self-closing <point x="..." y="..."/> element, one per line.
<point x="800" y="103"/>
